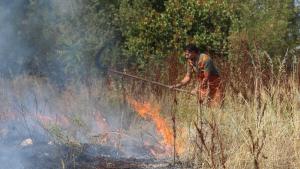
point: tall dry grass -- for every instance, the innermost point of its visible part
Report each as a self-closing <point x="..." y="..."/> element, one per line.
<point x="258" y="126"/>
<point x="259" y="133"/>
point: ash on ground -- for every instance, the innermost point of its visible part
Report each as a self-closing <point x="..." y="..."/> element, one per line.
<point x="35" y="150"/>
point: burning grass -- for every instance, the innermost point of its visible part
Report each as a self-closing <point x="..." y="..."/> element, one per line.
<point x="146" y="110"/>
<point x="260" y="131"/>
<point x="70" y="121"/>
<point x="163" y="127"/>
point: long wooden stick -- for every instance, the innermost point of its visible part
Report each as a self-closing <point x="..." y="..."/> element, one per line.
<point x="149" y="81"/>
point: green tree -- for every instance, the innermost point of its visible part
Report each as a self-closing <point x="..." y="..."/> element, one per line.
<point x="262" y="25"/>
<point x="155" y="31"/>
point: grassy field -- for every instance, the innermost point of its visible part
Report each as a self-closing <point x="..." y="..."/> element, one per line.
<point x="261" y="130"/>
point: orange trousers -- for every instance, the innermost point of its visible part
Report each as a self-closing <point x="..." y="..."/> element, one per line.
<point x="212" y="93"/>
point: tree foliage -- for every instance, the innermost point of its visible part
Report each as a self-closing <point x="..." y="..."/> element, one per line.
<point x="156" y="30"/>
<point x="63" y="39"/>
<point x="263" y="25"/>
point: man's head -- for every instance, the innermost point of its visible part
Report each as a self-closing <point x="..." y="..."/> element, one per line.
<point x="191" y="51"/>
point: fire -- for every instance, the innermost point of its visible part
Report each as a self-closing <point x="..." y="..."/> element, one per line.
<point x="146" y="110"/>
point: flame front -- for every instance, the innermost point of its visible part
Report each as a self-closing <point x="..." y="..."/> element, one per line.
<point x="146" y="110"/>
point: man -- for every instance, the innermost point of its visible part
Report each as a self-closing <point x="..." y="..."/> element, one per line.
<point x="209" y="82"/>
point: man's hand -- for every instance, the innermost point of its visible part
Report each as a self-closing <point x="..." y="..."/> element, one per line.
<point x="174" y="86"/>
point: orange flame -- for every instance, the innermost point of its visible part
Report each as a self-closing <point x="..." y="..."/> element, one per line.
<point x="146" y="110"/>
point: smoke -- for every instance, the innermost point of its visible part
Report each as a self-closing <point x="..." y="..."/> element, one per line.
<point x="42" y="38"/>
<point x="29" y="41"/>
<point x="31" y="108"/>
<point x="13" y="51"/>
<point x="16" y="32"/>
<point x="41" y="44"/>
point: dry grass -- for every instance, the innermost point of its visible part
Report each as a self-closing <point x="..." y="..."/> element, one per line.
<point x="261" y="130"/>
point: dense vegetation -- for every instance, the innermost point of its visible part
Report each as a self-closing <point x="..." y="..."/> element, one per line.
<point x="62" y="40"/>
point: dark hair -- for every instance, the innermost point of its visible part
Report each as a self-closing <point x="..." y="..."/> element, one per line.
<point x="192" y="48"/>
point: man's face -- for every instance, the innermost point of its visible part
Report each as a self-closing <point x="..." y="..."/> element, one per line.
<point x="189" y="54"/>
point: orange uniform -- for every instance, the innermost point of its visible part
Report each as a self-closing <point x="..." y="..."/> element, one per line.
<point x="210" y="83"/>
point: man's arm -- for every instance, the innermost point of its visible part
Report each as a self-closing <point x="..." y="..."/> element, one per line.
<point x="186" y="78"/>
<point x="184" y="81"/>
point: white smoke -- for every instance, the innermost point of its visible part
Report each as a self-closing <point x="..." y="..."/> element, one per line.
<point x="31" y="108"/>
<point x="12" y="50"/>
